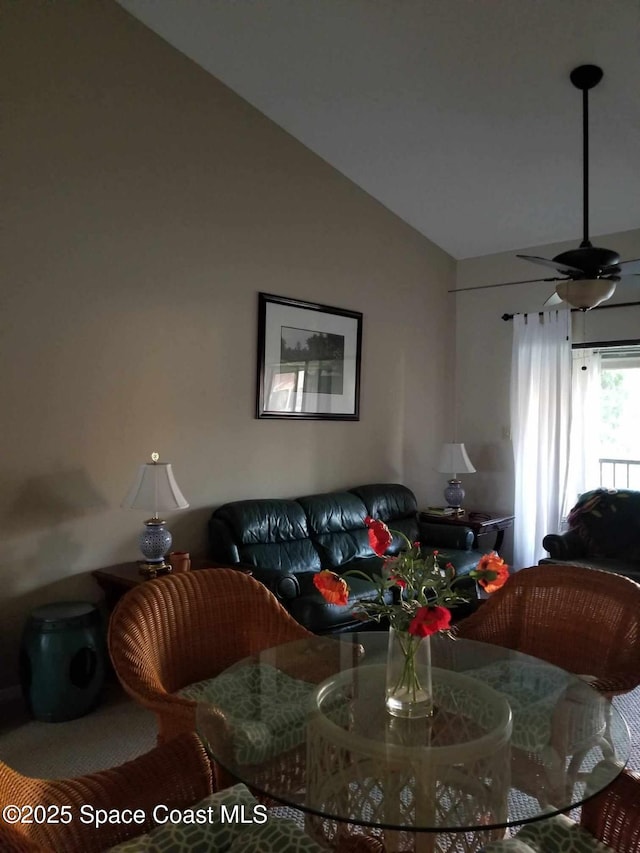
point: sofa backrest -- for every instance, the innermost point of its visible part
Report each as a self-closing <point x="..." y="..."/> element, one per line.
<point x="394" y="504"/>
<point x="336" y="527"/>
<point x="608" y="522"/>
<point x="313" y="532"/>
<point x="271" y="533"/>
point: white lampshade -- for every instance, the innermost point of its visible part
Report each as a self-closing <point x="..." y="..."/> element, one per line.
<point x="454" y="460"/>
<point x="586" y="293"/>
<point x="155" y="489"/>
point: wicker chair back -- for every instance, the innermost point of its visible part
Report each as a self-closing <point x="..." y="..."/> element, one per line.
<point x="180" y="629"/>
<point x="584" y="620"/>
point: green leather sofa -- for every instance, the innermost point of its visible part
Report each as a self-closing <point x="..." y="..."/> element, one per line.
<point x="285" y="542"/>
<point x="604" y="533"/>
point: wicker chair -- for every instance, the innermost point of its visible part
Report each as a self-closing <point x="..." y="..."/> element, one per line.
<point x="177" y="774"/>
<point x="181" y="629"/>
<point x="612" y="817"/>
<point x="584" y="620"/>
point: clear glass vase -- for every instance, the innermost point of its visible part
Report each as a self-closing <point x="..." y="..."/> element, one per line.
<point x="408" y="683"/>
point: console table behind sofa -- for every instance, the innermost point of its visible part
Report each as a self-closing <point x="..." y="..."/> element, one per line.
<point x="285" y="542"/>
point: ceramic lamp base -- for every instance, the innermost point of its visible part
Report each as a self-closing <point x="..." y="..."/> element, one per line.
<point x="155" y="541"/>
<point x="454" y="494"/>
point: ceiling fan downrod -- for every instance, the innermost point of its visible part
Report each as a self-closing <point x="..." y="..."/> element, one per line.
<point x="585" y="77"/>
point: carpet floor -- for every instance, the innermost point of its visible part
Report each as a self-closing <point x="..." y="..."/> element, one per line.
<point x="119" y="729"/>
<point x="114" y="732"/>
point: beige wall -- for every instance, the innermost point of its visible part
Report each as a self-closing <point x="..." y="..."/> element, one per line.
<point x="484" y="343"/>
<point x="145" y="206"/>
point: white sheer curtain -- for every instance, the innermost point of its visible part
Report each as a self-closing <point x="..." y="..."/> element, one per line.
<point x="584" y="442"/>
<point x="540" y="417"/>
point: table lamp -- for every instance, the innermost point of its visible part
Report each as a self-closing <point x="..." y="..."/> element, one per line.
<point x="155" y="489"/>
<point x="454" y="459"/>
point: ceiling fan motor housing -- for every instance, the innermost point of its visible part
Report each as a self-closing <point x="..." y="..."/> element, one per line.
<point x="590" y="260"/>
<point x="585" y="77"/>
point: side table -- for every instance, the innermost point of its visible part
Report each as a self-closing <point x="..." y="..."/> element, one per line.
<point x="482" y="522"/>
<point x="115" y="580"/>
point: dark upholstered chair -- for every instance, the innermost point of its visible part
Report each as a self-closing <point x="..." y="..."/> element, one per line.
<point x="604" y="533"/>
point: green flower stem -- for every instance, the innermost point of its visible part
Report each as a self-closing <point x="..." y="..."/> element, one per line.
<point x="408" y="677"/>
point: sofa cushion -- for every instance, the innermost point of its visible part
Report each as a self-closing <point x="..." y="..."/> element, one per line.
<point x="394" y="504"/>
<point x="292" y="557"/>
<point x="316" y="614"/>
<point x="336" y="526"/>
<point x="271" y="533"/>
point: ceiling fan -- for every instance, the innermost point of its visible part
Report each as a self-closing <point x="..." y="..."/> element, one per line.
<point x="589" y="274"/>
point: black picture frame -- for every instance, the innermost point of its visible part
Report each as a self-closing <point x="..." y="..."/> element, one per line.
<point x="308" y="360"/>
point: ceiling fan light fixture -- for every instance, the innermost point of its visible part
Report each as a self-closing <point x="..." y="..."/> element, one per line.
<point x="586" y="293"/>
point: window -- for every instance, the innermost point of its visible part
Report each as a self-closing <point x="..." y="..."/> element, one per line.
<point x="604" y="443"/>
<point x="619" y="418"/>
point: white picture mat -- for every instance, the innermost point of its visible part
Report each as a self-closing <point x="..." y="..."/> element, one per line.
<point x="277" y="316"/>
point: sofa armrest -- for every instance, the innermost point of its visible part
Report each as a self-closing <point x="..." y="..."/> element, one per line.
<point x="443" y="536"/>
<point x="564" y="546"/>
<point x="221" y="545"/>
<point x="284" y="585"/>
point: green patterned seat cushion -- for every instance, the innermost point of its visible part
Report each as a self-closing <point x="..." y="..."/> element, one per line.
<point x="533" y="691"/>
<point x="223" y="830"/>
<point x="509" y="845"/>
<point x="266" y="708"/>
<point x="557" y="834"/>
<point x="186" y="835"/>
<point x="277" y="835"/>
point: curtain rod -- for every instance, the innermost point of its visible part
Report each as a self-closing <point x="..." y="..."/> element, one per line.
<point x="573" y="310"/>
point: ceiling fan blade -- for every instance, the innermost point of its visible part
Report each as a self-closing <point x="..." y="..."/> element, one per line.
<point x="624" y="268"/>
<point x="503" y="284"/>
<point x="554" y="299"/>
<point x="562" y="268"/>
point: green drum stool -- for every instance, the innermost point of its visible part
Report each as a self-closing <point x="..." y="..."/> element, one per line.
<point x="62" y="660"/>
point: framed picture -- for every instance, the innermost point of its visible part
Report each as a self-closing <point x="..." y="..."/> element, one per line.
<point x="308" y="360"/>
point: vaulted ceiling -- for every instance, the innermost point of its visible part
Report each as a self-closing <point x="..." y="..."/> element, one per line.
<point x="457" y="115"/>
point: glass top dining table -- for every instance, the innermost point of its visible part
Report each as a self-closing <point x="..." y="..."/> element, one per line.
<point x="512" y="739"/>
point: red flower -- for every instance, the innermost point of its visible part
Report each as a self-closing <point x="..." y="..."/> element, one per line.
<point x="379" y="536"/>
<point x="429" y="620"/>
<point x="492" y="572"/>
<point x="398" y="581"/>
<point x="334" y="589"/>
